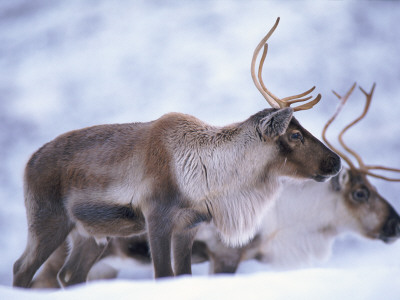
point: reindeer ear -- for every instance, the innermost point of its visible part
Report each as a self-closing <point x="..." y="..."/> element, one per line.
<point x="344" y="177"/>
<point x="276" y="123"/>
<point x="340" y="180"/>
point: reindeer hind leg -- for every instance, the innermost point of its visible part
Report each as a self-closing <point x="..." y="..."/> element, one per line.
<point x="84" y="254"/>
<point x="47" y="231"/>
<point x="47" y="277"/>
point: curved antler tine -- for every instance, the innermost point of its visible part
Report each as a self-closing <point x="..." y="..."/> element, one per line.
<point x="380" y="176"/>
<point x="343" y="101"/>
<point x="308" y="105"/>
<point x="366" y="107"/>
<point x="262" y="43"/>
<point x="299" y="95"/>
<point x="265" y="39"/>
<point x="337" y="95"/>
<point x="367" y="168"/>
<point x="370" y="93"/>
<point x="260" y="67"/>
<point x="290" y="102"/>
<point x="382" y="168"/>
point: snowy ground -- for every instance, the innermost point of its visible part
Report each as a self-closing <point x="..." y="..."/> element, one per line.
<point x="307" y="284"/>
<point x="70" y="64"/>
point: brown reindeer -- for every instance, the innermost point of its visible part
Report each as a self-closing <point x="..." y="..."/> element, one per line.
<point x="300" y="228"/>
<point x="163" y="177"/>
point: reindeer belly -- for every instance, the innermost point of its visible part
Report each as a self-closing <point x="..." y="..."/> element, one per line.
<point x="103" y="219"/>
<point x="108" y="207"/>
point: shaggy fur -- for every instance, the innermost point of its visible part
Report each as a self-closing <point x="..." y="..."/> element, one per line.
<point x="162" y="177"/>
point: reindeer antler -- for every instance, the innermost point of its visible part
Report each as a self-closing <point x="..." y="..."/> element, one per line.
<point x="362" y="167"/>
<point x="343" y="101"/>
<point x="366" y="107"/>
<point x="273" y="100"/>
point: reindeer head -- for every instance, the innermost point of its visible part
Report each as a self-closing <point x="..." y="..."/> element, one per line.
<point x="303" y="155"/>
<point x="370" y="214"/>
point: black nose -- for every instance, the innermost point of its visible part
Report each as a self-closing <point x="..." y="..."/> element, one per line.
<point x="391" y="228"/>
<point x="331" y="165"/>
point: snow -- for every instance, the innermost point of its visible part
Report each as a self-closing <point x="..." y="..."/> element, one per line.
<point x="70" y="64"/>
<point x="306" y="284"/>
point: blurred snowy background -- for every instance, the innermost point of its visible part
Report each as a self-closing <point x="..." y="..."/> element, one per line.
<point x="70" y="64"/>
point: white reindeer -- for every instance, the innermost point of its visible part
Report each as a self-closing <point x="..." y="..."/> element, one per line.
<point x="301" y="227"/>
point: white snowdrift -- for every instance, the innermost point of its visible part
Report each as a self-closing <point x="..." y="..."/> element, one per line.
<point x="358" y="283"/>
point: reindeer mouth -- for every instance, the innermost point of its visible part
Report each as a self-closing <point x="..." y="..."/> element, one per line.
<point x="321" y="178"/>
<point x="388" y="239"/>
<point x="391" y="231"/>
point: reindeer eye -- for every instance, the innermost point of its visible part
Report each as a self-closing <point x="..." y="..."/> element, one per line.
<point x="360" y="195"/>
<point x="296" y="136"/>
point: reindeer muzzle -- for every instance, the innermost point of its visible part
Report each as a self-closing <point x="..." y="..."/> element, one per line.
<point x="328" y="168"/>
<point x="391" y="229"/>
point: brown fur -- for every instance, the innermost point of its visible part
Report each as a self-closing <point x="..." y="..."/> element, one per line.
<point x="362" y="198"/>
<point x="367" y="214"/>
<point x="163" y="177"/>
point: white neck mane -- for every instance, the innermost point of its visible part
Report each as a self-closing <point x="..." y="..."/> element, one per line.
<point x="230" y="173"/>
